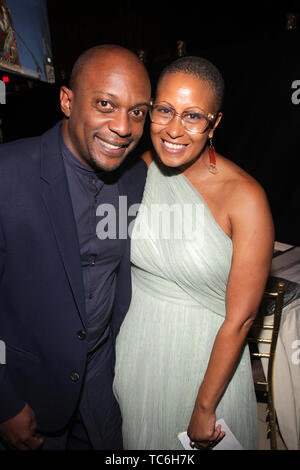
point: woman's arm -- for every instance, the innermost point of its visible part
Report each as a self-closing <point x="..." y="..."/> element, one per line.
<point x="252" y="238"/>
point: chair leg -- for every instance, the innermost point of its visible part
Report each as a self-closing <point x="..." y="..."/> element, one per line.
<point x="272" y="421"/>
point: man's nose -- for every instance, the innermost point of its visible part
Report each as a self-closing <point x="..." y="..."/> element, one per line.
<point x="120" y="124"/>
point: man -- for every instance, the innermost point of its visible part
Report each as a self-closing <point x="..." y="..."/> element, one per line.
<point x="64" y="290"/>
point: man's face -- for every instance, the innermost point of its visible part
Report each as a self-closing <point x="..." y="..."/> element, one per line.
<point x="106" y="111"/>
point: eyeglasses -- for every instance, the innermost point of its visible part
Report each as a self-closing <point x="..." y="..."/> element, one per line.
<point x="192" y="120"/>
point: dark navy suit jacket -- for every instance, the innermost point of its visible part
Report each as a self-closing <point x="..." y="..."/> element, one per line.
<point x="42" y="302"/>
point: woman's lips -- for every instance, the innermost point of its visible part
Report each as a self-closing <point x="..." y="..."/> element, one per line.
<point x="173" y="147"/>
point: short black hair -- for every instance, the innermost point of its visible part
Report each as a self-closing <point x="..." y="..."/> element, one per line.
<point x="201" y="68"/>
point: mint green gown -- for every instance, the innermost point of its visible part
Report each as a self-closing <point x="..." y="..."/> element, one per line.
<point x="178" y="305"/>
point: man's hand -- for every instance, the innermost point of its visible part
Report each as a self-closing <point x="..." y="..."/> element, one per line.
<point x="19" y="431"/>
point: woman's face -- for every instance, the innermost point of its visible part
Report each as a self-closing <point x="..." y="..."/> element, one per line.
<point x="174" y="144"/>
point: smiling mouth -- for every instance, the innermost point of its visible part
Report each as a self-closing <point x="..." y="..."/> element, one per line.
<point x="173" y="146"/>
<point x="112" y="148"/>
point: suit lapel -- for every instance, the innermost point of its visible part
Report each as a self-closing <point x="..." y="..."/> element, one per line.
<point x="56" y="196"/>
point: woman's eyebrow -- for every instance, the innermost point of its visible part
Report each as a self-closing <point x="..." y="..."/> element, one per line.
<point x="186" y="109"/>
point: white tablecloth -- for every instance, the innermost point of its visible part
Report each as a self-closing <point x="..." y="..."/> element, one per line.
<point x="287" y="265"/>
<point x="287" y="360"/>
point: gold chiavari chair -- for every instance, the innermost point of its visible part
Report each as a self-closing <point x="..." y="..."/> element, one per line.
<point x="255" y="338"/>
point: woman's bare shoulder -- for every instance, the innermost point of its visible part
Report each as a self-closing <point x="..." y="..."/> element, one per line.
<point x="238" y="180"/>
<point x="246" y="200"/>
<point x="241" y="193"/>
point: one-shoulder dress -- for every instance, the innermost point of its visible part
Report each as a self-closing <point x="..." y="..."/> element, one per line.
<point x="181" y="260"/>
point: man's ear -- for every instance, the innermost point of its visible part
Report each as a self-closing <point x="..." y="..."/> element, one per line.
<point x="66" y="97"/>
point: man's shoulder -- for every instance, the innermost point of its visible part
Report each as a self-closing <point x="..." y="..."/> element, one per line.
<point x="16" y="147"/>
<point x="19" y="151"/>
<point x="135" y="169"/>
<point x="132" y="179"/>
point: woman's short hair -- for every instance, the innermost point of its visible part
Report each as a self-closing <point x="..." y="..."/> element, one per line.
<point x="201" y="68"/>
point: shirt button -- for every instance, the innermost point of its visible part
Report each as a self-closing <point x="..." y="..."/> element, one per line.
<point x="81" y="334"/>
<point x="74" y="376"/>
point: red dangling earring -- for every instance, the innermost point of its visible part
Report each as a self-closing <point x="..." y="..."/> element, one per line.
<point x="212" y="158"/>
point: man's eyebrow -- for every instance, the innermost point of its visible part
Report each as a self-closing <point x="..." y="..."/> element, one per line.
<point x="105" y="93"/>
<point x="142" y="103"/>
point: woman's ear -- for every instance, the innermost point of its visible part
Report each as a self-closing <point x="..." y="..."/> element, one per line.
<point x="216" y="123"/>
<point x="66" y="97"/>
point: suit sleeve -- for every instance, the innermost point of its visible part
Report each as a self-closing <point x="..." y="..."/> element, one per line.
<point x="11" y="403"/>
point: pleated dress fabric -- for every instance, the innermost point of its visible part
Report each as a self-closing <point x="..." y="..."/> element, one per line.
<point x="181" y="260"/>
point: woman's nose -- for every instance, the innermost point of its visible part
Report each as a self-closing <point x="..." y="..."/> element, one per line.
<point x="175" y="128"/>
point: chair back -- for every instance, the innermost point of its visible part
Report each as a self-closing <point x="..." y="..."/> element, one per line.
<point x="258" y="337"/>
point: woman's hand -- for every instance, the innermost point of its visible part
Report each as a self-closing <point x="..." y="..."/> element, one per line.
<point x="202" y="431"/>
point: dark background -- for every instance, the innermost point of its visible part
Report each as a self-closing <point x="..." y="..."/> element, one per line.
<point x="250" y="44"/>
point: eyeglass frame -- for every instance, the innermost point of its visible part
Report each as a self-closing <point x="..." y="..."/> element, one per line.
<point x="211" y="118"/>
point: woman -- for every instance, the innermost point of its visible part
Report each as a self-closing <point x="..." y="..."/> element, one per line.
<point x="182" y="362"/>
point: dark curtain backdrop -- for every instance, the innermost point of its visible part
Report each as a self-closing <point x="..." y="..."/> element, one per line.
<point x="259" y="130"/>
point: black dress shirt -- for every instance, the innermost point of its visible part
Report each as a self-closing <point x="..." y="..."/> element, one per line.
<point x="94" y="193"/>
